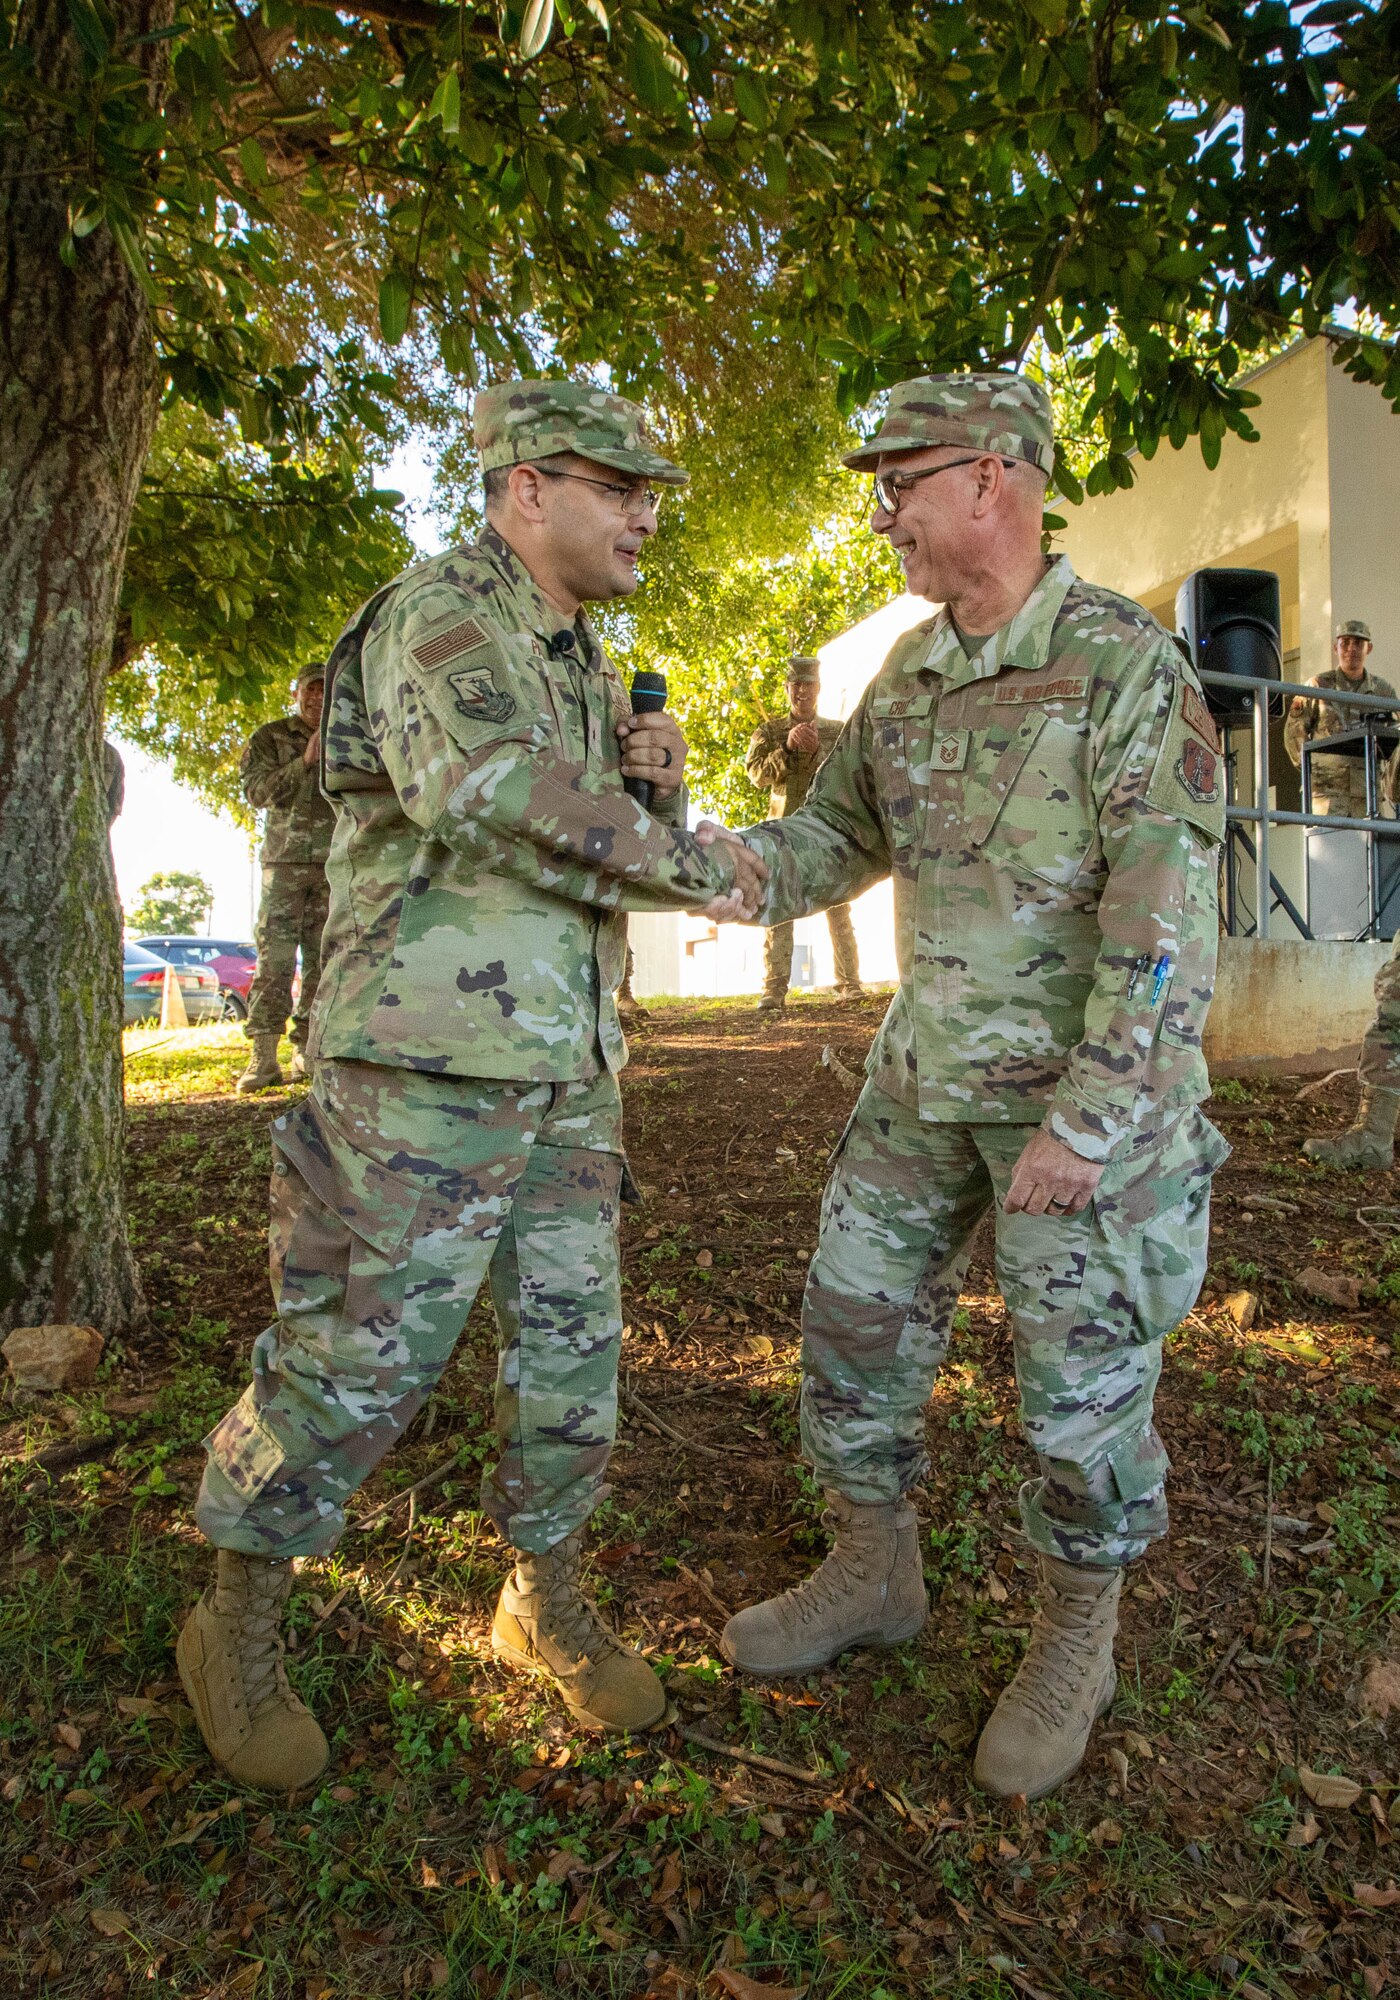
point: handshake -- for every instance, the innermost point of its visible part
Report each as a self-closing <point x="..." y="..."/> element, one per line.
<point x="745" y="899"/>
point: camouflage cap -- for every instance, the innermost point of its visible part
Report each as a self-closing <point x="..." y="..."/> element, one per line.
<point x="1354" y="628"/>
<point x="803" y="667"/>
<point x="1003" y="413"/>
<point x="516" y="421"/>
<point x="314" y="672"/>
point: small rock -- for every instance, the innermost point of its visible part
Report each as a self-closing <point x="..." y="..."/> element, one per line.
<point x="1242" y="1307"/>
<point x="50" y="1358"/>
<point x="1332" y="1289"/>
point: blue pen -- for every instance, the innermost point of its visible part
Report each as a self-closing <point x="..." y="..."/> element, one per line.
<point x="1161" y="973"/>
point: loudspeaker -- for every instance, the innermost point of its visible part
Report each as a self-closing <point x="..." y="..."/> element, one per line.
<point x="1231" y="624"/>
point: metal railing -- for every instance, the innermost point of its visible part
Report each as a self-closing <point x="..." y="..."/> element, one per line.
<point x="1262" y="815"/>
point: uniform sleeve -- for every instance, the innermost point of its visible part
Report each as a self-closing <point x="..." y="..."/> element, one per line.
<point x="833" y="847"/>
<point x="1160" y="795"/>
<point x="266" y="780"/>
<point x="466" y="732"/>
<point x="1300" y="726"/>
<point x="767" y="761"/>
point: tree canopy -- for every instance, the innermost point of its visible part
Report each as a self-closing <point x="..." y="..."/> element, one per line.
<point x="173" y="901"/>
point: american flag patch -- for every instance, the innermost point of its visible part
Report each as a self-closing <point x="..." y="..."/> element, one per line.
<point x="463" y="637"/>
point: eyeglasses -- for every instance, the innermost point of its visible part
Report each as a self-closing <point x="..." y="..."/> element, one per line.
<point x="630" y="499"/>
<point x="890" y="485"/>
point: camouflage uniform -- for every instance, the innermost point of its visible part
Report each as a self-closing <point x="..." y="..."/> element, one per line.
<point x="465" y="1115"/>
<point x="788" y="774"/>
<point x="1379" y="1067"/>
<point x="1050" y="810"/>
<point x="295" y="896"/>
<point x="1338" y="783"/>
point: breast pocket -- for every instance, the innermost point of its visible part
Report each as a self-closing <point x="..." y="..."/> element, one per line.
<point x="902" y="727"/>
<point x="1030" y="807"/>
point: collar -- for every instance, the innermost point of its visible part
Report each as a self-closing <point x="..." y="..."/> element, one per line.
<point x="535" y="611"/>
<point x="1023" y="642"/>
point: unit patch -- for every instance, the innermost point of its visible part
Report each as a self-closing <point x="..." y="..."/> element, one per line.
<point x="1196" y="715"/>
<point x="478" y="697"/>
<point x="1069" y="687"/>
<point x="1198" y="770"/>
<point x="463" y="637"/>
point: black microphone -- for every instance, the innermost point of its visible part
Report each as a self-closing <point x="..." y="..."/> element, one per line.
<point x="648" y="698"/>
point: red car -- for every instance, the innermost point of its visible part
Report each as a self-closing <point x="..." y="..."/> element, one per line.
<point x="230" y="959"/>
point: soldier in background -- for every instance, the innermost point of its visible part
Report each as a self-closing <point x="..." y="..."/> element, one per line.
<point x="785" y="755"/>
<point x="465" y="1122"/>
<point x="1338" y="783"/>
<point x="1037" y="769"/>
<point x="281" y="776"/>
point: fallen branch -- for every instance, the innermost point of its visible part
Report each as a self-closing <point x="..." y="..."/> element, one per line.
<point x="644" y="1410"/>
<point x="433" y="1478"/>
<point x="775" y="1767"/>
<point x="1224" y="1664"/>
<point x="699" y="1583"/>
<point x="1320" y="1084"/>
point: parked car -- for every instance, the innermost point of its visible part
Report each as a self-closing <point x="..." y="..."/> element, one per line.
<point x="232" y="962"/>
<point x="143" y="980"/>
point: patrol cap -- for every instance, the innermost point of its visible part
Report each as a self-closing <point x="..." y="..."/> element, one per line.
<point x="803" y="667"/>
<point x="1354" y="628"/>
<point x="535" y="418"/>
<point x="1003" y="413"/>
<point x="315" y="672"/>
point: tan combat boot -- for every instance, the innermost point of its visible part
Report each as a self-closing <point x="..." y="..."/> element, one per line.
<point x="299" y="1069"/>
<point x="1039" y="1729"/>
<point x="263" y="1069"/>
<point x="545" y="1623"/>
<point x="1370" y="1142"/>
<point x="230" y="1659"/>
<point x="869" y="1592"/>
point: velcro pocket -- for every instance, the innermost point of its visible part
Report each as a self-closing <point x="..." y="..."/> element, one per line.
<point x="1139" y="1465"/>
<point x="353" y="1189"/>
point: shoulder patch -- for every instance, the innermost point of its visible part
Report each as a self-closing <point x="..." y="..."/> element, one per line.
<point x="1188" y="779"/>
<point x="463" y="637"/>
<point x="477" y="694"/>
<point x="1069" y="687"/>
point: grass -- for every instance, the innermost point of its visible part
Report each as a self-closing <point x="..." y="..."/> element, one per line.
<point x="467" y="1842"/>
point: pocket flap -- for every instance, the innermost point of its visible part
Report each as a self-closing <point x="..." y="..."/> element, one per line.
<point x="993" y="787"/>
<point x="374" y="1204"/>
<point x="1165" y="1173"/>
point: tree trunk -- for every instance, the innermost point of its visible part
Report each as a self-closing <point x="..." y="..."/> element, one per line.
<point x="78" y="399"/>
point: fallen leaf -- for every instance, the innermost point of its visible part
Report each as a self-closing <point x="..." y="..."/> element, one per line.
<point x="1138" y="1745"/>
<point x="342" y="1794"/>
<point x="134" y="1705"/>
<point x="1119" y="1760"/>
<point x="109" y="1923"/>
<point x="670" y="1880"/>
<point x="1242" y="1307"/>
<point x="1377" y="1978"/>
<point x="246" y="1979"/>
<point x="704" y="1259"/>
<point x="64" y="1732"/>
<point x="561" y="1864"/>
<point x="725" y="1979"/>
<point x="1331" y="1793"/>
<point x="773" y="1823"/>
<point x="1375" y="1899"/>
<point x="439" y="1972"/>
<point x="318" y="1987"/>
<point x="1380" y="1691"/>
<point x="1107" y="1833"/>
<point x="430" y="1875"/>
<point x="1303" y="1832"/>
<point x="996" y="1589"/>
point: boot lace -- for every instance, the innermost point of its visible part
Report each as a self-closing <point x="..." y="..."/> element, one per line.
<point x="261" y="1646"/>
<point x="1064" y="1649"/>
<point x="572" y="1621"/>
<point x="847" y="1563"/>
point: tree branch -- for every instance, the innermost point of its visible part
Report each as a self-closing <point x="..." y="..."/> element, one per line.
<point x="407" y="13"/>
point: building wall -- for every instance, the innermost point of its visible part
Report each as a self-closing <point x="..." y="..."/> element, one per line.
<point x="1364" y="486"/>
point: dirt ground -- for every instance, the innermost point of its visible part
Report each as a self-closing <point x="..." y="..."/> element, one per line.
<point x="1229" y="1833"/>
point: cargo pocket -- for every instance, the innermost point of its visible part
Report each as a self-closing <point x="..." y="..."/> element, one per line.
<point x="1139" y="1465"/>
<point x="1161" y="1198"/>
<point x="900" y="729"/>
<point x="247" y="1454"/>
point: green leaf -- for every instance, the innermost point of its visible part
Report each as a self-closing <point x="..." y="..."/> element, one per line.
<point x="91" y="31"/>
<point x="446" y="106"/>
<point x="253" y="161"/>
<point x="535" y="28"/>
<point x="395" y="301"/>
<point x="752" y="99"/>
